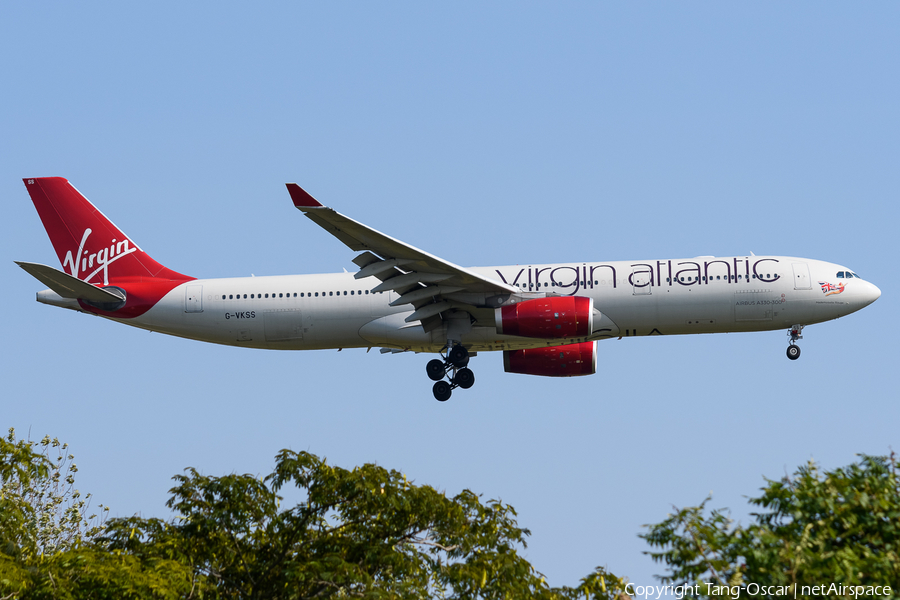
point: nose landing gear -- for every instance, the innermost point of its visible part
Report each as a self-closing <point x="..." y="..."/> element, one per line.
<point x="793" y="351"/>
<point x="454" y="368"/>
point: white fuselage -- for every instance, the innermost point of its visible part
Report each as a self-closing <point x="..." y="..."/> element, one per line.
<point x="635" y="298"/>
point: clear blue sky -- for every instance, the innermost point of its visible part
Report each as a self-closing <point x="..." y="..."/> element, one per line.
<point x="489" y="133"/>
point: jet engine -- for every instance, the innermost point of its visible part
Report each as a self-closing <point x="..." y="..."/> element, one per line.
<point x="555" y="361"/>
<point x="553" y="317"/>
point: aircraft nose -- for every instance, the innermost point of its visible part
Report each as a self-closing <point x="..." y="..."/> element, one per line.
<point x="870" y="294"/>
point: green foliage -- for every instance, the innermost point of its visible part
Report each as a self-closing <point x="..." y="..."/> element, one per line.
<point x="95" y="574"/>
<point x="42" y="511"/>
<point x="840" y="526"/>
<point x="46" y="535"/>
<point x="367" y="532"/>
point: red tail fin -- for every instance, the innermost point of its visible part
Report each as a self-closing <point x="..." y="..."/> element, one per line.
<point x="88" y="245"/>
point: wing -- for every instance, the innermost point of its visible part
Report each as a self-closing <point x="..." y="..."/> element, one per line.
<point x="433" y="286"/>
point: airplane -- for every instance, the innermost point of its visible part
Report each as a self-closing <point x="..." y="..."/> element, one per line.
<point x="546" y="319"/>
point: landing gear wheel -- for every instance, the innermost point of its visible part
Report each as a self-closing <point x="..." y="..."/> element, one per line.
<point x="459" y="356"/>
<point x="465" y="378"/>
<point x="442" y="391"/>
<point x="435" y="369"/>
<point x="793" y="352"/>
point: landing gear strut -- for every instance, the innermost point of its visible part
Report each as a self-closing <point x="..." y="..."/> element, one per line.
<point x="454" y="368"/>
<point x="793" y="351"/>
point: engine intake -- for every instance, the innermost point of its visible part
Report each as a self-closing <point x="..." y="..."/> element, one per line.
<point x="554" y="317"/>
<point x="570" y="360"/>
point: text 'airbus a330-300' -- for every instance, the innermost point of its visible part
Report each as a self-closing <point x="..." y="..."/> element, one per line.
<point x="545" y="319"/>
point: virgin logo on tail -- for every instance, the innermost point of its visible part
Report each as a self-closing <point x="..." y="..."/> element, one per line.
<point x="83" y="260"/>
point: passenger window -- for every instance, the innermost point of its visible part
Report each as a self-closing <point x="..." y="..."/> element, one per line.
<point x="223" y="297"/>
<point x="367" y="291"/>
<point x="317" y="294"/>
<point x="351" y="292"/>
<point x="331" y="293"/>
<point x="345" y="292"/>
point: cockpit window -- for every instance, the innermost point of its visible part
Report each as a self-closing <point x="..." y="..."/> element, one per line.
<point x="840" y="274"/>
<point x="855" y="275"/>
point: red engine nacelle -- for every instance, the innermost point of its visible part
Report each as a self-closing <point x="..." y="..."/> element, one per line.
<point x="554" y="317"/>
<point x="556" y="361"/>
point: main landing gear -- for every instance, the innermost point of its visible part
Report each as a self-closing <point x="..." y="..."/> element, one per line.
<point x="793" y="351"/>
<point x="454" y="368"/>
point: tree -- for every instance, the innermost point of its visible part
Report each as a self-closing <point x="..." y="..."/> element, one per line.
<point x="366" y="532"/>
<point x="840" y="526"/>
<point x="42" y="510"/>
<point x="47" y="533"/>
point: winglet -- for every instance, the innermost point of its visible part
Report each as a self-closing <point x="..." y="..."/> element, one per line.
<point x="301" y="197"/>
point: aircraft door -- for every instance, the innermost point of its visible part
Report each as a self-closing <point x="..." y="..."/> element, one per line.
<point x="193" y="298"/>
<point x="642" y="280"/>
<point x="801" y="276"/>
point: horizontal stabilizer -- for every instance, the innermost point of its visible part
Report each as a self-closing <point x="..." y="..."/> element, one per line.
<point x="67" y="286"/>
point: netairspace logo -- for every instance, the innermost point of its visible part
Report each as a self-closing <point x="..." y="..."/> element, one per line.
<point x="751" y="590"/>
